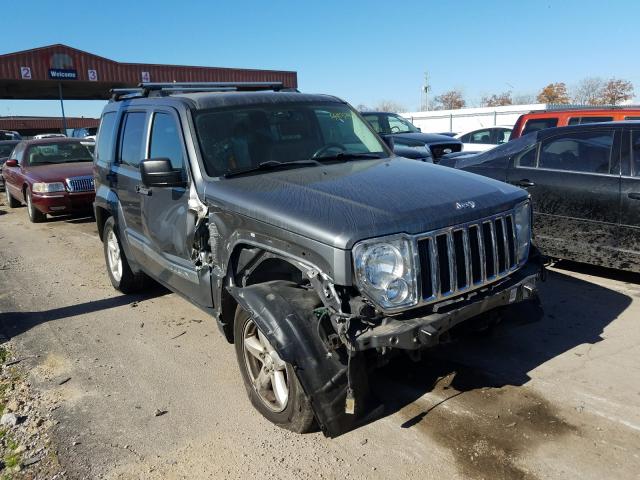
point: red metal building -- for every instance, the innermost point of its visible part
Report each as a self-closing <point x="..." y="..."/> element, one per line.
<point x="46" y="72"/>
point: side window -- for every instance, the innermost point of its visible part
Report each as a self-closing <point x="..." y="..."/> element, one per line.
<point x="465" y="138"/>
<point x="632" y="118"/>
<point x="527" y="158"/>
<point x="581" y="120"/>
<point x="131" y="135"/>
<point x="535" y="124"/>
<point x="588" y="152"/>
<point x="166" y="141"/>
<point x="373" y="120"/>
<point x="480" y="136"/>
<point x="502" y="135"/>
<point x="635" y="153"/>
<point x="105" y="136"/>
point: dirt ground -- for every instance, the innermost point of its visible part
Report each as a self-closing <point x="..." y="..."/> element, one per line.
<point x="559" y="398"/>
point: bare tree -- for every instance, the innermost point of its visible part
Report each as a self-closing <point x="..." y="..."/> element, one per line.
<point x="617" y="91"/>
<point x="451" y="100"/>
<point x="524" y="99"/>
<point x="589" y="91"/>
<point x="390" y="106"/>
<point x="497" y="100"/>
<point x="361" y="107"/>
<point x="554" y="93"/>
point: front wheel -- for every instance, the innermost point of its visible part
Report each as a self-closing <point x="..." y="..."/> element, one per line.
<point x="120" y="273"/>
<point x="11" y="202"/>
<point x="35" y="215"/>
<point x="271" y="383"/>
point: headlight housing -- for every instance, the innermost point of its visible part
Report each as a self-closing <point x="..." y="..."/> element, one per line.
<point x="385" y="271"/>
<point x="522" y="215"/>
<point x="48" y="187"/>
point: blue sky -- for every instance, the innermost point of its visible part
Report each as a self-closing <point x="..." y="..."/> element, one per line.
<point x="362" y="51"/>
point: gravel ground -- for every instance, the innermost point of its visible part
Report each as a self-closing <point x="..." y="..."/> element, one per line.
<point x="556" y="399"/>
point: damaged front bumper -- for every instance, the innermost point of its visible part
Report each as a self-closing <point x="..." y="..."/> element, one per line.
<point x="427" y="330"/>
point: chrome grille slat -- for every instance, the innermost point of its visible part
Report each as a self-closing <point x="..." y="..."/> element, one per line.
<point x="80" y="184"/>
<point x="486" y="251"/>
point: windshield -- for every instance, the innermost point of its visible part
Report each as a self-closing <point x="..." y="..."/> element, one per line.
<point x="397" y="124"/>
<point x="236" y="139"/>
<point x="58" y="153"/>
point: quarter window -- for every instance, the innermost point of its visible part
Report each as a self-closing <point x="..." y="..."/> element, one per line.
<point x="105" y="136"/>
<point x="528" y="157"/>
<point x="131" y="138"/>
<point x="588" y="152"/>
<point x="166" y="141"/>
<point x="536" y="124"/>
<point x="635" y="153"/>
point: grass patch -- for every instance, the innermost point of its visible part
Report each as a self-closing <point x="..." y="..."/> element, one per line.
<point x="12" y="460"/>
<point x="4" y="354"/>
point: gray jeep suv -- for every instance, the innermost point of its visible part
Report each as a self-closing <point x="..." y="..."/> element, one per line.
<point x="318" y="252"/>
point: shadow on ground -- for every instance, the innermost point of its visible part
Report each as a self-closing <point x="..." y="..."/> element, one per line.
<point x="13" y="323"/>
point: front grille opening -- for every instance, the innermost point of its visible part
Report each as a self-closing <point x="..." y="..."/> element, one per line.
<point x="425" y="267"/>
<point x="488" y="250"/>
<point x="500" y="244"/>
<point x="474" y="249"/>
<point x="510" y="242"/>
<point x="443" y="263"/>
<point x="460" y="259"/>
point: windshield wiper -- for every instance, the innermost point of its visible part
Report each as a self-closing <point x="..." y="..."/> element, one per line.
<point x="349" y="156"/>
<point x="271" y="165"/>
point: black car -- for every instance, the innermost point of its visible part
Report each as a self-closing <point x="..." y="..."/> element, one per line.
<point x="6" y="147"/>
<point x="288" y="219"/>
<point x="406" y="136"/>
<point x="584" y="183"/>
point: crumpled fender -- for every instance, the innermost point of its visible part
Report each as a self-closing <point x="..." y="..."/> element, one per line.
<point x="284" y="313"/>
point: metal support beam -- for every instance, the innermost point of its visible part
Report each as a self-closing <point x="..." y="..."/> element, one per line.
<point x="64" y="119"/>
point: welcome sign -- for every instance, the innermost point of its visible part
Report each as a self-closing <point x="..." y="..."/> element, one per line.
<point x="63" y="74"/>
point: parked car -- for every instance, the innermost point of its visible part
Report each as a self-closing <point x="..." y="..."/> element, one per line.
<point x="9" y="135"/>
<point x="286" y="217"/>
<point x="482" y="139"/>
<point x="584" y="183"/>
<point x="562" y="117"/>
<point x="40" y="136"/>
<point x="406" y="135"/>
<point x="6" y="147"/>
<point x="50" y="176"/>
<point x="84" y="132"/>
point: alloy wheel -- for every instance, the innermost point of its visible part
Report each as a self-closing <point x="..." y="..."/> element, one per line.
<point x="114" y="256"/>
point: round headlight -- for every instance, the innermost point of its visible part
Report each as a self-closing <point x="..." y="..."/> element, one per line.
<point x="397" y="291"/>
<point x="382" y="264"/>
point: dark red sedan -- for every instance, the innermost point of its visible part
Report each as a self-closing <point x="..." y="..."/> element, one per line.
<point x="51" y="176"/>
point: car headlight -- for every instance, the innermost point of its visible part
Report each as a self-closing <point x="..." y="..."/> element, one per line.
<point x="48" y="187"/>
<point x="523" y="230"/>
<point x="385" y="271"/>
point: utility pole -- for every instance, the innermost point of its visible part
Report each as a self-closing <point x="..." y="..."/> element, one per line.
<point x="426" y="88"/>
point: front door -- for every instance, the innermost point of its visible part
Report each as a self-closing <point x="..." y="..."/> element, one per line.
<point x="630" y="201"/>
<point x="574" y="182"/>
<point x="167" y="223"/>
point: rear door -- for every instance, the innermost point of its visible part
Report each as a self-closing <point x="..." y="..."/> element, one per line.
<point x="630" y="201"/>
<point x="574" y="182"/>
<point x="131" y="147"/>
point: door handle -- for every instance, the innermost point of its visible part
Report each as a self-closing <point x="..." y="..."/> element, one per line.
<point x="634" y="196"/>
<point x="525" y="183"/>
<point x="142" y="190"/>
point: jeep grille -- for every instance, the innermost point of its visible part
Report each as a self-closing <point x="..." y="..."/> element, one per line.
<point x="465" y="257"/>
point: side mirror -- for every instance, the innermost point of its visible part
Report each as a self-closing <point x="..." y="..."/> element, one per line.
<point x="158" y="172"/>
<point x="419" y="129"/>
<point x="388" y="139"/>
<point x="12" y="162"/>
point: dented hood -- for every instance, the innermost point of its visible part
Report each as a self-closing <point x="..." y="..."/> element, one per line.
<point x="340" y="204"/>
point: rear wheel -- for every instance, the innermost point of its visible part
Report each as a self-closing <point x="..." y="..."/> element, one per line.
<point x="35" y="215"/>
<point x="11" y="202"/>
<point x="120" y="273"/>
<point x="271" y="383"/>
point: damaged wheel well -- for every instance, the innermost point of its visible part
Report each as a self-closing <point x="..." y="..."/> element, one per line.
<point x="250" y="265"/>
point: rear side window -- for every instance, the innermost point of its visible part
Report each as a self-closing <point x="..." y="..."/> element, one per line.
<point x="527" y="158"/>
<point x="131" y="138"/>
<point x="588" y="152"/>
<point x="166" y="141"/>
<point x="581" y="120"/>
<point x="105" y="136"/>
<point x="536" y="124"/>
<point x="632" y="118"/>
<point x="635" y="153"/>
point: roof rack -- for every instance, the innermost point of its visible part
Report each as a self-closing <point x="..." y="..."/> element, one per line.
<point x="157" y="89"/>
<point x="560" y="106"/>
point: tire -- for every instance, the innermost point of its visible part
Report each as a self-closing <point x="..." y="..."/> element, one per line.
<point x="11" y="202"/>
<point x="120" y="273"/>
<point x="296" y="413"/>
<point x="35" y="215"/>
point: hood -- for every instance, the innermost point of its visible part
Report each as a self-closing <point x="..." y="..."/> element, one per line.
<point x="419" y="138"/>
<point x="341" y="204"/>
<point x="58" y="172"/>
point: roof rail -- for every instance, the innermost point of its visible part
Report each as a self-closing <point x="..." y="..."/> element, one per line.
<point x="560" y="106"/>
<point x="158" y="89"/>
